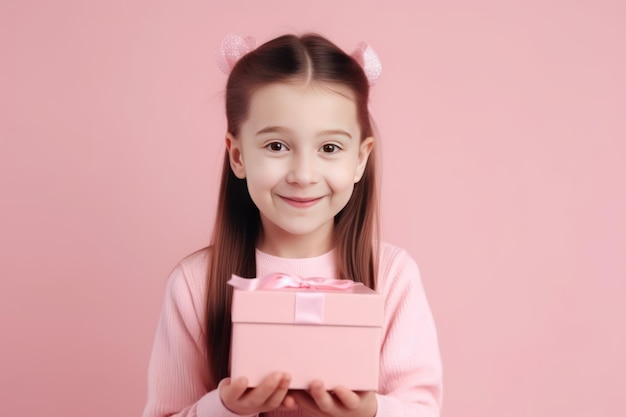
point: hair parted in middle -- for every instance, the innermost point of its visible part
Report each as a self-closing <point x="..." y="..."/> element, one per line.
<point x="313" y="59"/>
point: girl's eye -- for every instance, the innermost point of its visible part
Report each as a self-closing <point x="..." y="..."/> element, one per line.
<point x="276" y="146"/>
<point x="330" y="148"/>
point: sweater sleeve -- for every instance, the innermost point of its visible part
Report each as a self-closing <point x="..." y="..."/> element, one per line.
<point x="178" y="377"/>
<point x="410" y="367"/>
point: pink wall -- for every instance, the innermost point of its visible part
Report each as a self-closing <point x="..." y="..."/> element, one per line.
<point x="504" y="139"/>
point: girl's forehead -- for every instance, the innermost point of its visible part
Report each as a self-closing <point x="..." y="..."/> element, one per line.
<point x="298" y="102"/>
<point x="299" y="89"/>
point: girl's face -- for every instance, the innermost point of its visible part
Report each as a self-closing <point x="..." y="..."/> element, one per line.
<point x="301" y="153"/>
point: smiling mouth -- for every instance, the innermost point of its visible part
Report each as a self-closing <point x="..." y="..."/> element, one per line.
<point x="301" y="202"/>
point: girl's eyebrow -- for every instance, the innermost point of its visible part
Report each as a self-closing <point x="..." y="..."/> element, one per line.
<point x="284" y="130"/>
<point x="273" y="129"/>
<point x="333" y="132"/>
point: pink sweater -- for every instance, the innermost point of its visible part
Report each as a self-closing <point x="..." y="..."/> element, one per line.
<point x="410" y="365"/>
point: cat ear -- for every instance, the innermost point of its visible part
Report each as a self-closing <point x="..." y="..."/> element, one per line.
<point x="232" y="48"/>
<point x="368" y="59"/>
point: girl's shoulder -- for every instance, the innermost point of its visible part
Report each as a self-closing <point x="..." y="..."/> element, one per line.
<point x="187" y="280"/>
<point x="198" y="259"/>
<point x="195" y="267"/>
<point x="390" y="255"/>
<point x="395" y="267"/>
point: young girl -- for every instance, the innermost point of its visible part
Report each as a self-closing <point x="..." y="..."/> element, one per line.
<point x="298" y="195"/>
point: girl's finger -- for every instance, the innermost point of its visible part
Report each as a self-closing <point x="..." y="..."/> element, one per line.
<point x="322" y="398"/>
<point x="348" y="398"/>
<point x="277" y="397"/>
<point x="231" y="391"/>
<point x="289" y="402"/>
<point x="305" y="402"/>
<point x="259" y="395"/>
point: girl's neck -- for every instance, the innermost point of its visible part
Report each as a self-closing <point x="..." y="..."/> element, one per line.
<point x="285" y="245"/>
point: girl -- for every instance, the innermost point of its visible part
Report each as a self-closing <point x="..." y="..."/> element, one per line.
<point x="298" y="195"/>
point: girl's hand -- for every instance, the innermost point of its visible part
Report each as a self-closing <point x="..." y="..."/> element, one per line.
<point x="268" y="396"/>
<point x="341" y="403"/>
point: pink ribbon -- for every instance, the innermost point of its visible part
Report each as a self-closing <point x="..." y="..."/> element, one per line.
<point x="309" y="306"/>
<point x="279" y="280"/>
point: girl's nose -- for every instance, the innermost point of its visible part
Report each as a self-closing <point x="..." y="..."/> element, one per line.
<point x="303" y="170"/>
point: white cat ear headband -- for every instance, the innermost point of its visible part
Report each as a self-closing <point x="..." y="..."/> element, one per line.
<point x="234" y="47"/>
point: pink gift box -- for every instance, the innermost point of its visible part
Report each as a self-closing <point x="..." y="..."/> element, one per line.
<point x="330" y="335"/>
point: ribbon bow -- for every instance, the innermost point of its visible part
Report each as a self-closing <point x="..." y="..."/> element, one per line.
<point x="279" y="280"/>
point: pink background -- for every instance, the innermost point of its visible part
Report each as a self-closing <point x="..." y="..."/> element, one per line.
<point x="504" y="138"/>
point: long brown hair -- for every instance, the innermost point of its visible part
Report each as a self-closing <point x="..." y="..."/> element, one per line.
<point x="237" y="225"/>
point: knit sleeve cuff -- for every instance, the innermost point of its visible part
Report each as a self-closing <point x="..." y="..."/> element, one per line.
<point x="389" y="406"/>
<point x="386" y="407"/>
<point x="211" y="405"/>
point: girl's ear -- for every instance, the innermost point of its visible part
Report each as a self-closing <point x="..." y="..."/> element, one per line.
<point x="364" y="152"/>
<point x="233" y="146"/>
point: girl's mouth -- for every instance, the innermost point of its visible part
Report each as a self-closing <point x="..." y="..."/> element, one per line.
<point x="301" y="202"/>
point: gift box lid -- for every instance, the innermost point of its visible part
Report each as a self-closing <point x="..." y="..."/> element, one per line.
<point x="357" y="306"/>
